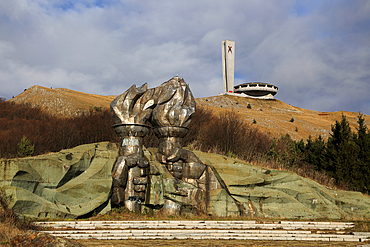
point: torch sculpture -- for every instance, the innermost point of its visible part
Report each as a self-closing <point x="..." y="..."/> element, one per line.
<point x="169" y="108"/>
<point x="130" y="111"/>
<point x="170" y="119"/>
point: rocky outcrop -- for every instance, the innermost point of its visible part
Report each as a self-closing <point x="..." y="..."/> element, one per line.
<point x="76" y="183"/>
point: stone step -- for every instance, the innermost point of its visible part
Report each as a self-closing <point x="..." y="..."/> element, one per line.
<point x="107" y="230"/>
<point x="150" y="222"/>
<point x="287" y="225"/>
<point x="205" y="234"/>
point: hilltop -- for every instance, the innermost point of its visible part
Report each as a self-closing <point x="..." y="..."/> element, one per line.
<point x="61" y="101"/>
<point x="271" y="116"/>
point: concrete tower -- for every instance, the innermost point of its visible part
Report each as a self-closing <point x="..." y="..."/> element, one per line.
<point x="228" y="57"/>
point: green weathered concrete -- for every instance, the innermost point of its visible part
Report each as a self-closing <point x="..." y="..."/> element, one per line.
<point x="217" y="201"/>
<point x="281" y="194"/>
<point x="68" y="184"/>
<point x="77" y="182"/>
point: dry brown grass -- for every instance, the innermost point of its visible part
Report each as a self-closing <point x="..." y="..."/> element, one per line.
<point x="272" y="116"/>
<point x="8" y="220"/>
<point x="61" y="101"/>
<point x="10" y="223"/>
<point x="361" y="226"/>
<point x="7" y="232"/>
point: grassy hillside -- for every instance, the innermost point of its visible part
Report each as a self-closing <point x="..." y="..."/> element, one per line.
<point x="275" y="116"/>
<point x="271" y="116"/>
<point x="62" y="101"/>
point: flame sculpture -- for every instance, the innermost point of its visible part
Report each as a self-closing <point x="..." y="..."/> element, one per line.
<point x="169" y="108"/>
<point x="130" y="111"/>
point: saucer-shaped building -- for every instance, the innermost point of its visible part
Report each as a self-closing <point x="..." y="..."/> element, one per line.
<point x="256" y="89"/>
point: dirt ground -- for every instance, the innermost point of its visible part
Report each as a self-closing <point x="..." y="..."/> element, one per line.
<point x="212" y="243"/>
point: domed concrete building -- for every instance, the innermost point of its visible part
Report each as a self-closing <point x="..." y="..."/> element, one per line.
<point x="256" y="89"/>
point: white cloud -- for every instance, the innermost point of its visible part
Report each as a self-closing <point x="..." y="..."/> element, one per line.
<point x="316" y="52"/>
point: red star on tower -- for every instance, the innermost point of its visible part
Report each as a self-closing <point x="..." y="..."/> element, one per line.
<point x="229" y="49"/>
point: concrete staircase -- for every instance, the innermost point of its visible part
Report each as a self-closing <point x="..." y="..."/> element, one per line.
<point x="281" y="230"/>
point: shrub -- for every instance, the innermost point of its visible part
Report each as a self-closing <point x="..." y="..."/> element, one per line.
<point x="97" y="108"/>
<point x="49" y="133"/>
<point x="291" y="120"/>
<point x="25" y="148"/>
<point x="227" y="133"/>
<point x="230" y="154"/>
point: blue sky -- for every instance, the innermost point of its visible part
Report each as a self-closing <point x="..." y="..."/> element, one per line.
<point x="316" y="52"/>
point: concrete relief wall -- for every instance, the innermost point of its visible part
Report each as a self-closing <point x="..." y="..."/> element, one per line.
<point x="69" y="184"/>
<point x="56" y="186"/>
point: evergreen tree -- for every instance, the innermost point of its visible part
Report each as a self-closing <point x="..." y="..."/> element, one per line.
<point x="315" y="153"/>
<point x="25" y="148"/>
<point x="342" y="154"/>
<point x="286" y="151"/>
<point x="362" y="140"/>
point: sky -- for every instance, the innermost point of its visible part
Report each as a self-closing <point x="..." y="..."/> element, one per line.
<point x="317" y="52"/>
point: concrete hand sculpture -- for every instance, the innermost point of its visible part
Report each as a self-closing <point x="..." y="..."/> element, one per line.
<point x="130" y="111"/>
<point x="170" y="119"/>
<point x="169" y="109"/>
